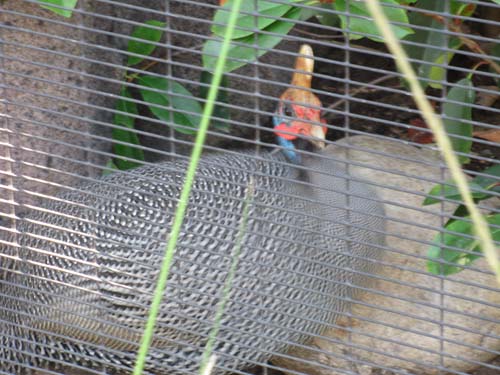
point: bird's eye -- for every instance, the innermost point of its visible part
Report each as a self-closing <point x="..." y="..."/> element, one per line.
<point x="288" y="111"/>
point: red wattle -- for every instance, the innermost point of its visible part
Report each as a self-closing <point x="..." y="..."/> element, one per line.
<point x="281" y="129"/>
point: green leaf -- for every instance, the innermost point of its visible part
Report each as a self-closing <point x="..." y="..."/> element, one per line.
<point x="308" y="13"/>
<point x="496" y="1"/>
<point x="360" y="19"/>
<point x="490" y="182"/>
<point x="325" y="17"/>
<point x="430" y="55"/>
<point x="461" y="211"/>
<point x="437" y="72"/>
<point x="456" y="239"/>
<point x="464" y="96"/>
<point x="495" y="56"/>
<point x="221" y="112"/>
<point x="148" y="34"/>
<point x="110" y="168"/>
<point x="70" y="4"/>
<point x="451" y="192"/>
<point x="187" y="122"/>
<point x="248" y="52"/>
<point x="124" y="135"/>
<point x="246" y="23"/>
<point x="462" y="8"/>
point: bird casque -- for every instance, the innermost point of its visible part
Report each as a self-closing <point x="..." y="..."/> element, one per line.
<point x="76" y="289"/>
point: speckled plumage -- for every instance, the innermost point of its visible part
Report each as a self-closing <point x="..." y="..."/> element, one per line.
<point x="88" y="260"/>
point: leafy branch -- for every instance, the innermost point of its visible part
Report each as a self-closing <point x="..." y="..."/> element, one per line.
<point x="456" y="247"/>
<point x="456" y="27"/>
<point x="275" y="20"/>
<point x="167" y="100"/>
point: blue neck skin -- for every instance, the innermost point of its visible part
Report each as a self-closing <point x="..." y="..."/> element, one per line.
<point x="288" y="146"/>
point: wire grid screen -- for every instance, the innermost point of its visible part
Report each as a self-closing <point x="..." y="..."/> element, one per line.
<point x="338" y="263"/>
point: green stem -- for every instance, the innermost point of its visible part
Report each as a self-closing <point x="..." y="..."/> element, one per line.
<point x="229" y="280"/>
<point x="131" y="77"/>
<point x="186" y="190"/>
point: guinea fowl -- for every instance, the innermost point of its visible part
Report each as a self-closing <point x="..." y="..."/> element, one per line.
<point x="76" y="289"/>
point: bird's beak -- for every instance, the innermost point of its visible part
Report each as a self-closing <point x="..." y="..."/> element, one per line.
<point x="318" y="136"/>
<point x="313" y="133"/>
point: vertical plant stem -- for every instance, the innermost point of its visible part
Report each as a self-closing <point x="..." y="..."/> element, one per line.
<point x="207" y="354"/>
<point x="481" y="227"/>
<point x="186" y="190"/>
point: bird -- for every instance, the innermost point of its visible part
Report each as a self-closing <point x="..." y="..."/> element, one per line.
<point x="76" y="289"/>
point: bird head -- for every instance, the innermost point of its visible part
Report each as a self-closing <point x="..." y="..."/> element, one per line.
<point x="297" y="121"/>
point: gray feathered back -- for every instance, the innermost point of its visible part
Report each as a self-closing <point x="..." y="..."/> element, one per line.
<point x="80" y="287"/>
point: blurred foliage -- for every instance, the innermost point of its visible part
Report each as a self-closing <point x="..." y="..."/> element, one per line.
<point x="68" y="4"/>
<point x="139" y="45"/>
<point x="458" y="247"/>
<point x="254" y="26"/>
<point x="455" y="246"/>
<point x="167" y="100"/>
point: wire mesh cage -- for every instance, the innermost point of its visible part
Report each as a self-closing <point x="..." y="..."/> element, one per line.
<point x="323" y="233"/>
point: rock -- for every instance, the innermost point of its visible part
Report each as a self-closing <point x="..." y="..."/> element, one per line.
<point x="50" y="125"/>
<point x="408" y="317"/>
